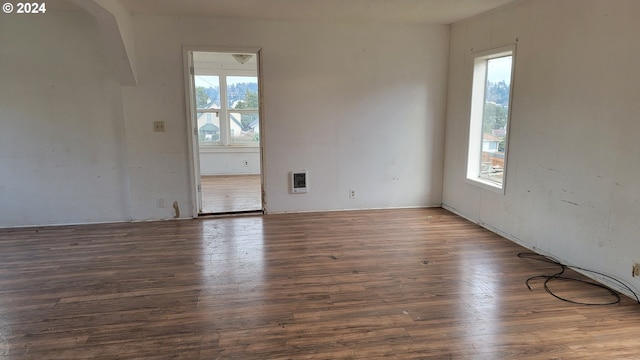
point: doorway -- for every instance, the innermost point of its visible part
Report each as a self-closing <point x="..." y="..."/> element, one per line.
<point x="224" y="112"/>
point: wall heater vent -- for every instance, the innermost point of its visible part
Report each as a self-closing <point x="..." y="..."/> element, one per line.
<point x="299" y="181"/>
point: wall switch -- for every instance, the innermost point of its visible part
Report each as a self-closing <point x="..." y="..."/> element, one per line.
<point x="158" y="126"/>
<point x="160" y="202"/>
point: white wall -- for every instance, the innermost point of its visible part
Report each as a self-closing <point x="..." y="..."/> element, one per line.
<point x="358" y="106"/>
<point x="572" y="180"/>
<point x="216" y="162"/>
<point x="62" y="154"/>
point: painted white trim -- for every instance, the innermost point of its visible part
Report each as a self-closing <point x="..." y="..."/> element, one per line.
<point x="353" y="209"/>
<point x="263" y="168"/>
<point x="192" y="130"/>
<point x="194" y="150"/>
<point x="476" y="110"/>
<point x="229" y="149"/>
<point x="486" y="184"/>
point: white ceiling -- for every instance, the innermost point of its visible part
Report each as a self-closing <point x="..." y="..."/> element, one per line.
<point x="397" y="11"/>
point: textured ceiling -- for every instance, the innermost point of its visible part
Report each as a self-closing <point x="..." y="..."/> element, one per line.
<point x="396" y="11"/>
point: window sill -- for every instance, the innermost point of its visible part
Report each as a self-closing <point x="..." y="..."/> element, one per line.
<point x="486" y="185"/>
<point x="229" y="149"/>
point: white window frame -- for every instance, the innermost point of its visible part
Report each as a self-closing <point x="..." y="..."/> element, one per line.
<point x="224" y="113"/>
<point x="474" y="152"/>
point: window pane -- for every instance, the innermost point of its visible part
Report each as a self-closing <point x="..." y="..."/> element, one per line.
<point x="208" y="128"/>
<point x="495" y="118"/>
<point x="242" y="92"/>
<point x="244" y="127"/>
<point x="207" y="92"/>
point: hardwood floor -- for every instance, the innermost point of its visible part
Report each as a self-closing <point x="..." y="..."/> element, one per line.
<point x="230" y="193"/>
<point x="394" y="284"/>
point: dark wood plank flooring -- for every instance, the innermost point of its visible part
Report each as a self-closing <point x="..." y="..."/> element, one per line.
<point x="392" y="284"/>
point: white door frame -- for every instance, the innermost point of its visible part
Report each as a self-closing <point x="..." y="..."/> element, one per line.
<point x="192" y="128"/>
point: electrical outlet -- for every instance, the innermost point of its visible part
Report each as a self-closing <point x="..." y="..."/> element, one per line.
<point x="636" y="269"/>
<point x="160" y="202"/>
<point x="352" y="194"/>
<point x="245" y="163"/>
<point x="158" y="126"/>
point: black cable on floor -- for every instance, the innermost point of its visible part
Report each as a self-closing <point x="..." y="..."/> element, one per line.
<point x="559" y="276"/>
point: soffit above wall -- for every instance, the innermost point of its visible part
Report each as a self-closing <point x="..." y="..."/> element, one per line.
<point x="389" y="11"/>
<point x="115" y="24"/>
<point x="206" y="62"/>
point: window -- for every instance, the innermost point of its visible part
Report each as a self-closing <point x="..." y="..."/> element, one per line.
<point x="208" y="109"/>
<point x="227" y="110"/>
<point x="489" y="118"/>
<point x="242" y="97"/>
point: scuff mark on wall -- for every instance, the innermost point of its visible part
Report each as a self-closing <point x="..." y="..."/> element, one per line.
<point x="176" y="209"/>
<point x="571" y="202"/>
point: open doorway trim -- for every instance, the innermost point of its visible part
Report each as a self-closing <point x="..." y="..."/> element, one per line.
<point x="194" y="165"/>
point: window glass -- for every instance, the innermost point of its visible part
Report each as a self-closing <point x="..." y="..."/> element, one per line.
<point x="242" y="92"/>
<point x="207" y="92"/>
<point x="227" y="110"/>
<point x="208" y="128"/>
<point x="489" y="117"/>
<point x="245" y="127"/>
<point x="495" y="118"/>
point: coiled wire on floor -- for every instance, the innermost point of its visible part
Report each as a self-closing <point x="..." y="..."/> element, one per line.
<point x="559" y="276"/>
